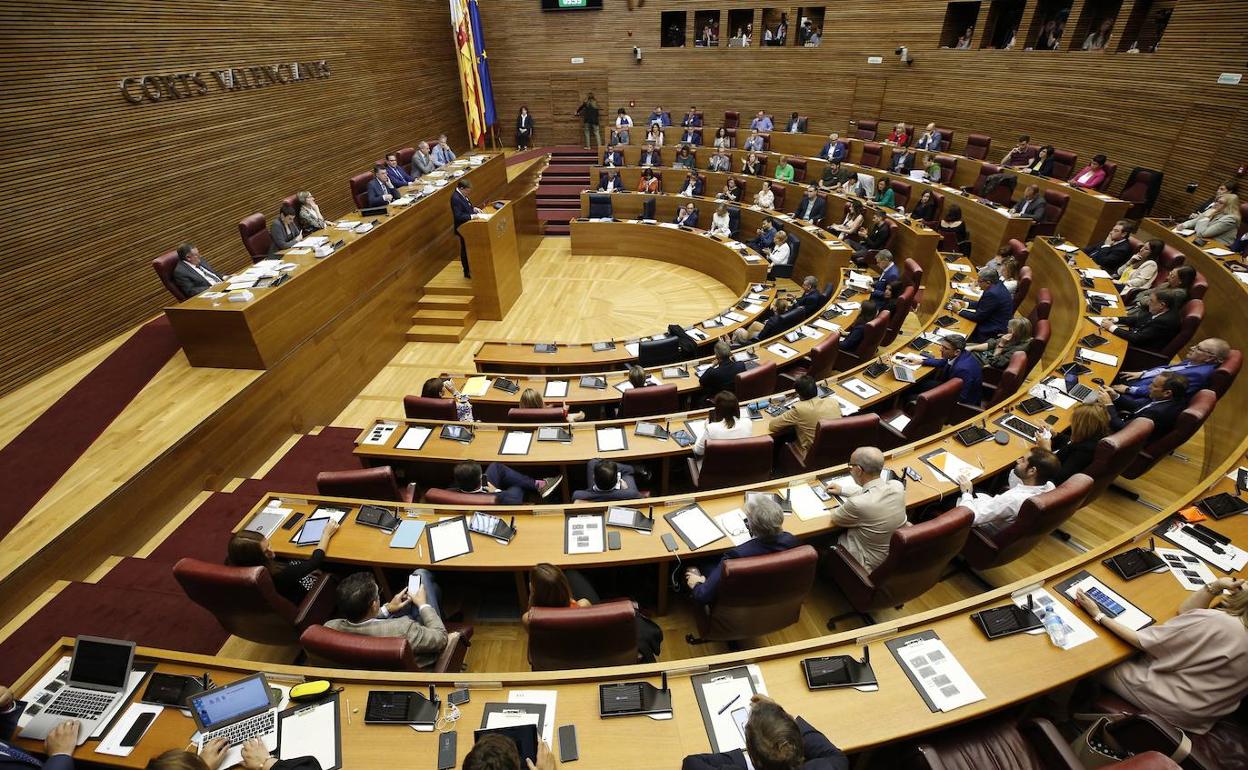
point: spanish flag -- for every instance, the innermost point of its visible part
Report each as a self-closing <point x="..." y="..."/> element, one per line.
<point x="466" y="54"/>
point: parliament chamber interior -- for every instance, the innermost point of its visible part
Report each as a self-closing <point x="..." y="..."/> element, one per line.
<point x="626" y="383"/>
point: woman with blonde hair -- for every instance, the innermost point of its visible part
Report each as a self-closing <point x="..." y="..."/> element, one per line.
<point x="310" y="217"/>
<point x="1076" y="446"/>
<point x="996" y="352"/>
<point x="531" y="399"/>
<point x="1219" y="222"/>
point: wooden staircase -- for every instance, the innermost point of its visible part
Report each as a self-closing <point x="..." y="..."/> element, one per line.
<point x="446" y="311"/>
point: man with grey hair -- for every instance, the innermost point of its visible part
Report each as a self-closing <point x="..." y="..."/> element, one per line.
<point x="812" y="299"/>
<point x="765" y="522"/>
<point x="723" y="373"/>
<point x="955" y="361"/>
<point x="888" y="273"/>
<point x="872" y="508"/>
<point x="994" y="309"/>
<point x="422" y="162"/>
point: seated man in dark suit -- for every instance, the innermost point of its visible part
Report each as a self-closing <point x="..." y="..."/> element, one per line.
<point x="955" y="361"/>
<point x="507" y="486"/>
<point x="773" y="739"/>
<point x="193" y="274"/>
<point x="380" y="191"/>
<point x="812" y="299"/>
<point x="59" y="744"/>
<point x="994" y="309"/>
<point x="1167" y="397"/>
<point x="1116" y="250"/>
<point x="812" y="207"/>
<point x="723" y="373"/>
<point x="687" y="215"/>
<point x="888" y="273"/>
<point x="834" y="149"/>
<point x="613" y="156"/>
<point x="691" y="119"/>
<point x="692" y="185"/>
<point x="765" y="522"/>
<point x="398" y="177"/>
<point x="865" y="241"/>
<point x="1155" y="330"/>
<point x="1031" y="205"/>
<point x="284" y="231"/>
<point x="610" y="182"/>
<point x="766" y="237"/>
<point x="1197" y="367"/>
<point x="773" y="324"/>
<point x="416" y="618"/>
<point x="903" y="161"/>
<point x="608" y="481"/>
<point x="650" y="156"/>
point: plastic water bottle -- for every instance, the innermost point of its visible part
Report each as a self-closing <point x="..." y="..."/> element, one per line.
<point x="1054" y="626"/>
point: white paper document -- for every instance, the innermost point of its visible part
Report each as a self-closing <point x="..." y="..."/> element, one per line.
<point x="380" y="433"/>
<point x="585" y="534"/>
<point x="940" y="675"/>
<point x="696" y="527"/>
<point x="1218" y="251"/>
<point x="1098" y="357"/>
<point x="516" y="442"/>
<point x="806" y="504"/>
<point x="1053" y="394"/>
<point x="860" y="388"/>
<point x="448" y="539"/>
<point x="1094" y="272"/>
<point x="696" y="427"/>
<point x="311" y="731"/>
<point x="953" y="467"/>
<point x="1110" y="299"/>
<point x="826" y="324"/>
<point x="724" y="697"/>
<point x="733" y="525"/>
<point x="1191" y="572"/>
<point x="111" y="745"/>
<point x="610" y="439"/>
<point x="556" y="389"/>
<point x="415" y="437"/>
<point x="1067" y="247"/>
<point x="899" y="421"/>
<point x="846" y="408"/>
<point x="810" y="331"/>
<point x="782" y="350"/>
<point x="1077" y="632"/>
<point x="1231" y="559"/>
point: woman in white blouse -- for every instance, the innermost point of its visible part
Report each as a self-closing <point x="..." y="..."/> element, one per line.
<point x="722" y="142"/>
<point x="719" y="222"/>
<point x="852" y="221"/>
<point x="765" y="197"/>
<point x="779" y="254"/>
<point x="726" y="421"/>
<point x="1140" y="271"/>
<point x="623" y="127"/>
<point x="655" y="135"/>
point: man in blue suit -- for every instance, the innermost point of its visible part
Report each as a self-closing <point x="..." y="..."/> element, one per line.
<point x="692" y="119"/>
<point x="398" y="177"/>
<point x="766" y="237"/>
<point x="888" y="273"/>
<point x="608" y="481"/>
<point x="1197" y="367"/>
<point x="462" y="210"/>
<point x="650" y="156"/>
<point x="834" y="149"/>
<point x="59" y="745"/>
<point x="614" y="156"/>
<point x="687" y="215"/>
<point x="812" y="299"/>
<point x="954" y="361"/>
<point x="994" y="309"/>
<point x="380" y="191"/>
<point x="765" y="522"/>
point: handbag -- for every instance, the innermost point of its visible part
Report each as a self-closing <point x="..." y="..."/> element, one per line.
<point x="1112" y="738"/>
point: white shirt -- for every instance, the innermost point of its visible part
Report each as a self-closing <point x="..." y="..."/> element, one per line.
<point x="719" y="430"/>
<point x="719" y="224"/>
<point x="1002" y="508"/>
<point x="205" y="273"/>
<point x="622" y="121"/>
<point x="780" y="254"/>
<point x="765" y="198"/>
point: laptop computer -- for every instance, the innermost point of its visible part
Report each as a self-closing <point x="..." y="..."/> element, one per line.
<point x="98" y="673"/>
<point x="903" y="373"/>
<point x="237" y="712"/>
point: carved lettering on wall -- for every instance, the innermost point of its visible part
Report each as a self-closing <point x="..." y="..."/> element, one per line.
<point x="147" y="89"/>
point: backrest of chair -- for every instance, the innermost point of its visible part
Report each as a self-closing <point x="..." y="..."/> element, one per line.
<point x="368" y="483"/>
<point x="665" y="350"/>
<point x="1018" y="250"/>
<point x="243" y="599"/>
<point x="778" y="190"/>
<point x="757" y="382"/>
<point x="1222" y="378"/>
<point x="341" y="649"/>
<point x="823" y="356"/>
<point x="1011" y="378"/>
<point x="932" y="408"/>
<point x="793" y="316"/>
<point x="405" y="155"/>
<point x="948" y="167"/>
<point x="730" y="462"/>
<point x="1038" y="516"/>
<point x="583" y="637"/>
<point x="1189" y="320"/>
<point x="905" y="303"/>
<point x="985" y="170"/>
<point x="1055" y="203"/>
<point x="1171" y="258"/>
<point x="545" y="414"/>
<point x="436" y="496"/>
<point x="1114" y="453"/>
<point x="799" y="168"/>
<point x="946" y="138"/>
<point x="359" y="189"/>
<point x="1044" y="304"/>
<point x="873" y="335"/>
<point x="650" y="400"/>
<point x="1064" y="162"/>
<point x="1185" y="425"/>
<point x="600" y="206"/>
<point x="761" y="594"/>
<point x="1111" y="170"/>
<point x="872" y="152"/>
<point x="255" y="234"/>
<point x="1200" y="285"/>
<point x="911" y="273"/>
<point x="647" y="208"/>
<point x="901" y="192"/>
<point x="835" y="440"/>
<point x="939" y="199"/>
<point x="977" y="146"/>
<point x="917" y="557"/>
<point x="866" y="129"/>
<point x="732" y="118"/>
<point x="892" y="233"/>
<point x="164" y="266"/>
<point x="291" y="200"/>
<point x="1024" y="286"/>
<point x="1041" y="331"/>
<point x="421" y="408"/>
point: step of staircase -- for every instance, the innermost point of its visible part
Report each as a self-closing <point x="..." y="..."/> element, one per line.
<point x="559" y="191"/>
<point x="458" y="318"/>
<point x="428" y="333"/>
<point x="564" y="215"/>
<point x="457" y="302"/>
<point x="558" y="228"/>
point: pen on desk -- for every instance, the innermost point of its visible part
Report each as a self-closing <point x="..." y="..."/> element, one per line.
<point x="979" y="460"/>
<point x="348" y="711"/>
<point x="735" y="698"/>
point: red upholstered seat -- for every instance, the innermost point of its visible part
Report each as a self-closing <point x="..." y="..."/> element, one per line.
<point x="1018" y="250"/>
<point x="1222" y="378"/>
<point x="1041" y="331"/>
<point x="1223" y="747"/>
<point x="451" y="497"/>
<point x="730" y="462"/>
<point x="1011" y="379"/>
<point x="1037" y="518"/>
<point x="545" y="414"/>
<point x="1141" y="189"/>
<point x="946" y="138"/>
<point x="820" y="363"/>
<point x="869" y="344"/>
<point x="931" y="410"/>
<point x="1111" y="170"/>
<point x="905" y="303"/>
<point x="758" y="595"/>
<point x="977" y="146"/>
<point x="246" y="603"/>
<point x="405" y="155"/>
<point x="421" y="408"/>
<point x="996" y="741"/>
<point x="872" y="154"/>
<point x="1040" y="311"/>
<point x="917" y="557"/>
<point x="799" y="169"/>
<point x="583" y="637"/>
<point x="1024" y="286"/>
<point x="756" y="383"/>
<point x="255" y="234"/>
<point x="1200" y="285"/>
<point x="650" y="400"/>
<point x="340" y="649"/>
<point x="1064" y="162"/>
<point x="367" y="483"/>
<point x="1055" y="203"/>
<point x="732" y="119"/>
<point x="1185" y="426"/>
<point x="778" y="189"/>
<point x="901" y="193"/>
<point x="1114" y="453"/>
<point x="867" y="130"/>
<point x="359" y="189"/>
<point x="835" y="441"/>
<point x="911" y="273"/>
<point x="948" y="168"/>
<point x="164" y="265"/>
<point x="291" y="200"/>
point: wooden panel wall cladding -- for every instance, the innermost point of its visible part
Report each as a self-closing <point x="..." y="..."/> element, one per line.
<point x="93" y="187"/>
<point x="1163" y="110"/>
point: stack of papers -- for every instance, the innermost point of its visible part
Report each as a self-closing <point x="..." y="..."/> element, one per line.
<point x="733" y="525"/>
<point x="1100" y="358"/>
<point x="782" y="350"/>
<point x="477" y="386"/>
<point x="516" y="442"/>
<point x="939" y="675"/>
<point x="806" y="504"/>
<point x="556" y="389"/>
<point x="951" y="466"/>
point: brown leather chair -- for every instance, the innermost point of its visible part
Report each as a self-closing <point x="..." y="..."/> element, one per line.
<point x="1024" y="286"/>
<point x="255" y="234"/>
<point x="930" y="412"/>
<point x="799" y="169"/>
<point x="404" y="156"/>
<point x="977" y="146"/>
<point x="868" y="346"/>
<point x="1038" y="516"/>
<point x="732" y="119"/>
<point x="905" y="303"/>
<point x="1010" y="379"/>
<point x="164" y="266"/>
<point x="948" y="169"/>
<point x="1111" y="171"/>
<point x="1064" y="163"/>
<point x="1114" y="453"/>
<point x="650" y="400"/>
<point x="1141" y="189"/>
<point x="901" y="192"/>
<point x="834" y="442"/>
<point x="730" y="462"/>
<point x="359" y="189"/>
<point x="367" y="483"/>
<point x="246" y="603"/>
<point x="1055" y="203"/>
<point x="1222" y="378"/>
<point x="756" y="383"/>
<point x="911" y="273"/>
<point x="917" y="557"/>
<point x="872" y="154"/>
<point x="339" y="649"/>
<point x="758" y="595"/>
<point x="995" y="741"/>
<point x="820" y="363"/>
<point x="778" y="189"/>
<point x="546" y="414"/>
<point x="1140" y="359"/>
<point x="583" y="637"/>
<point x="867" y="130"/>
<point x="421" y="408"/>
<point x="1185" y="426"/>
<point x="1040" y="310"/>
<point x="435" y="496"/>
<point x="946" y="138"/>
<point x="1018" y="250"/>
<point x="1200" y="285"/>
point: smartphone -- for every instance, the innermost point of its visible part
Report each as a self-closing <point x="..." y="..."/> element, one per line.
<point x="1051" y="419"/>
<point x="290" y="524"/>
<point x="669" y="541"/>
<point x="447" y="743"/>
<point x="413" y="584"/>
<point x="740" y="716"/>
<point x="458" y="697"/>
<point x="567" y="744"/>
<point x="1111" y="607"/>
<point x="613" y="540"/>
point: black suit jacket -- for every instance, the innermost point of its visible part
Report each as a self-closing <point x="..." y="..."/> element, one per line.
<point x="720" y="377"/>
<point x="461" y="208"/>
<point x="1162" y="413"/>
<point x="812" y="301"/>
<point x="1033" y="209"/>
<point x="811" y="210"/>
<point x="1113" y="256"/>
<point x="188" y="280"/>
<point x="689" y="221"/>
<point x="375" y="192"/>
<point x="1151" y="332"/>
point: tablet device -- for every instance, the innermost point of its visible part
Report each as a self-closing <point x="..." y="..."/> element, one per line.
<point x="311" y="531"/>
<point x="524" y="736"/>
<point x="1129" y="565"/>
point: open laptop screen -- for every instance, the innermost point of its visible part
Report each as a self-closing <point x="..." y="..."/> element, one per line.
<point x="101" y="663"/>
<point x="224" y="705"/>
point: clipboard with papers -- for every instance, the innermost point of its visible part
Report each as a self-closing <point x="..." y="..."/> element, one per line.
<point x="584" y="533"/>
<point x="723" y="698"/>
<point x="611" y="439"/>
<point x="312" y="730"/>
<point x="694" y="526"/>
<point x="949" y="465"/>
<point x="448" y="538"/>
<point x="938" y="676"/>
<point x="516" y="442"/>
<point x="414" y="438"/>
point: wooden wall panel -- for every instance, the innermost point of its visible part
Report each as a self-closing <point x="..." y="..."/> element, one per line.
<point x="1162" y="110"/>
<point x="92" y="187"/>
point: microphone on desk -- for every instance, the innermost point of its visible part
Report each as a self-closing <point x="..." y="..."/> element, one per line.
<point x="663" y="683"/>
<point x="866" y="654"/>
<point x="433" y="693"/>
<point x="512" y="525"/>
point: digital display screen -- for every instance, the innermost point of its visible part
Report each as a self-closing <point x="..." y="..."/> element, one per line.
<point x="571" y="5"/>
